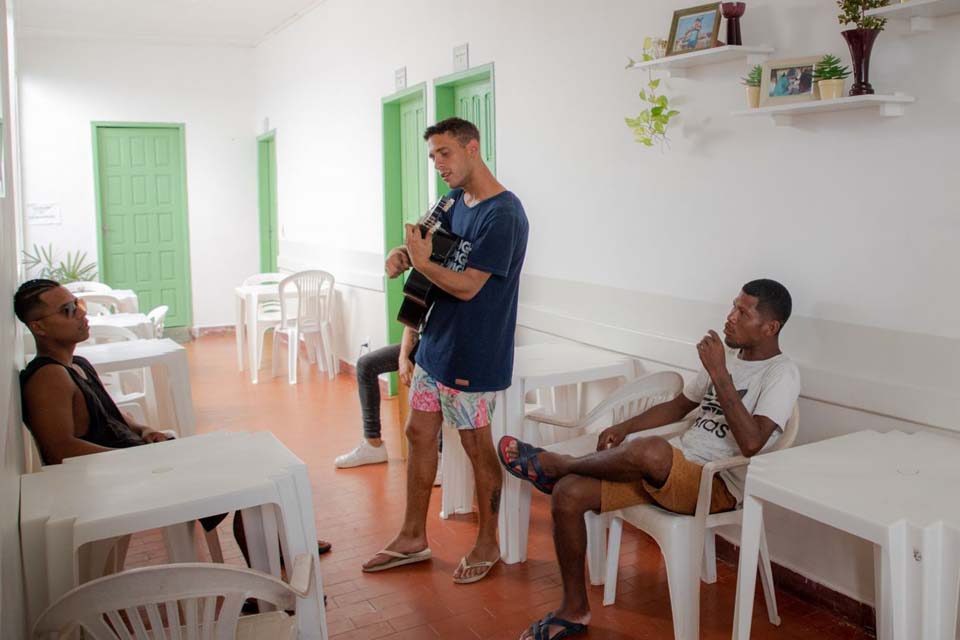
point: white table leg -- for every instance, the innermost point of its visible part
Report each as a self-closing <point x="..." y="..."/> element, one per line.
<point x="253" y="356"/>
<point x="747" y="573"/>
<point x="943" y="574"/>
<point x="239" y="326"/>
<point x="33" y="548"/>
<point x="178" y="383"/>
<point x="509" y="421"/>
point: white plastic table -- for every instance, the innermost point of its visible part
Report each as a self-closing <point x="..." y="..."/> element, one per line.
<point x="138" y="323"/>
<point x="893" y="489"/>
<point x="247" y="299"/>
<point x="171" y="404"/>
<point x="129" y="302"/>
<point x="535" y="367"/>
<point x="121" y="492"/>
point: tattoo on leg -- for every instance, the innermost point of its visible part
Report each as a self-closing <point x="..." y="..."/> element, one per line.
<point x="495" y="501"/>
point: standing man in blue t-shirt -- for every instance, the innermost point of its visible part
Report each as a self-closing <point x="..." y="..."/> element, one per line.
<point x="466" y="348"/>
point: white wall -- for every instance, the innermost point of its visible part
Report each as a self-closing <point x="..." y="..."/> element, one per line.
<point x="67" y="84"/>
<point x="12" y="620"/>
<point x="854" y="213"/>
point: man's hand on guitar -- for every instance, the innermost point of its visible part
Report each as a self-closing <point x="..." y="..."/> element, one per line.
<point x="418" y="247"/>
<point x="397" y="262"/>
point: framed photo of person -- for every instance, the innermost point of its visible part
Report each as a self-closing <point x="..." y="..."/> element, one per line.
<point x="694" y="29"/>
<point x="787" y="81"/>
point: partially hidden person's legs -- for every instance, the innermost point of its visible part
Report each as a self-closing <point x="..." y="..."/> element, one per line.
<point x="369" y="368"/>
<point x="478" y="443"/>
<point x="240" y="535"/>
<point x="423" y="426"/>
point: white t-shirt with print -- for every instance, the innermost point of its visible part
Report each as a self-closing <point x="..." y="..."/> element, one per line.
<point x="767" y="388"/>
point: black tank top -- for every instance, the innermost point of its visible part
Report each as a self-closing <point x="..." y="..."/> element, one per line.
<point x="107" y="426"/>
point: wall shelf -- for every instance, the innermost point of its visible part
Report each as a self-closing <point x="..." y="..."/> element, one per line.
<point x="783" y="115"/>
<point x="677" y="65"/>
<point x="921" y="13"/>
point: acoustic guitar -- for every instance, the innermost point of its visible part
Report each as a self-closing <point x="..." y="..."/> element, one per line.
<point x="419" y="293"/>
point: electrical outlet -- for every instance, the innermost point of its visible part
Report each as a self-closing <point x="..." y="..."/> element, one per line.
<point x="365" y="343"/>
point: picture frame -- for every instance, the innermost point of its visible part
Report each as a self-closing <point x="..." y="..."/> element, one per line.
<point x="694" y="29"/>
<point x="788" y="80"/>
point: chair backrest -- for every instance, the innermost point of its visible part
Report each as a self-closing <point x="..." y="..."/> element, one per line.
<point x="158" y="316"/>
<point x="314" y="298"/>
<point x="88" y="286"/>
<point x="32" y="460"/>
<point x="184" y="595"/>
<point x="264" y="278"/>
<point x="96" y="302"/>
<point x="101" y="333"/>
<point x="636" y="396"/>
<point x="790" y="431"/>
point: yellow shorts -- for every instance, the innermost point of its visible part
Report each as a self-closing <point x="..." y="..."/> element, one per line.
<point x="678" y="494"/>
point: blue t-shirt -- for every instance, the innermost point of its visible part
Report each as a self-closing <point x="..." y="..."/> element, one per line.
<point x="469" y="345"/>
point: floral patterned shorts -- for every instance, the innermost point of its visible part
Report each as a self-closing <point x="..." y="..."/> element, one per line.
<point x="463" y="409"/>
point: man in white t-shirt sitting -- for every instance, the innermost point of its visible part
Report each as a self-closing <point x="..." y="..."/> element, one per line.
<point x="743" y="400"/>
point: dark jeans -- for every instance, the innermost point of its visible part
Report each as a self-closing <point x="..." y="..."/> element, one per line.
<point x="369" y="367"/>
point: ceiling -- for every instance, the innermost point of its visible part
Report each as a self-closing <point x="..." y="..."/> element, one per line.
<point x="226" y="22"/>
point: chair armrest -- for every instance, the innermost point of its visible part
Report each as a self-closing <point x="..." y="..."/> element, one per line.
<point x="667" y="431"/>
<point x="710" y="470"/>
<point x="301" y="580"/>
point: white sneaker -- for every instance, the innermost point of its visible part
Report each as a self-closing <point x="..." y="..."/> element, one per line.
<point x="438" y="479"/>
<point x="365" y="453"/>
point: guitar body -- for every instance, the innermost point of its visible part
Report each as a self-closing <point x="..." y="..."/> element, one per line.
<point x="418" y="292"/>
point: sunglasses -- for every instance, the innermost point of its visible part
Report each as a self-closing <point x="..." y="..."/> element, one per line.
<point x="69" y="310"/>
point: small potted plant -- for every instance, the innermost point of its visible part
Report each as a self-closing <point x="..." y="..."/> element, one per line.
<point x="829" y="75"/>
<point x="752" y="82"/>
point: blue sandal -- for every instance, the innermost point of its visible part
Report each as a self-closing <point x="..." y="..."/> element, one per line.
<point x="526" y="458"/>
<point x="569" y="630"/>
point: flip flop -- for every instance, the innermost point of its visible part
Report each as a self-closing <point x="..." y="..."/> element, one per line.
<point x="486" y="565"/>
<point x="527" y="455"/>
<point x="399" y="559"/>
<point x="570" y="629"/>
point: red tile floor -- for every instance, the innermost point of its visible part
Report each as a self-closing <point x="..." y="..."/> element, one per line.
<point x="359" y="510"/>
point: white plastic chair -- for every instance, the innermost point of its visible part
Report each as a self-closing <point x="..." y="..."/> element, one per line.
<point x="688" y="542"/>
<point x="268" y="313"/>
<point x="99" y="304"/>
<point x="89" y="286"/>
<point x="157" y="317"/>
<point x="310" y="319"/>
<point x="127" y="388"/>
<point x="179" y="601"/>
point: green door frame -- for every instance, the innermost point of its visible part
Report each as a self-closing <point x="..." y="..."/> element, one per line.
<point x="392" y="202"/>
<point x="267" y="184"/>
<point x="444" y="88"/>
<point x="184" y="223"/>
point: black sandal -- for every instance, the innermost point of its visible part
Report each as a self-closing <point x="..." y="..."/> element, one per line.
<point x="526" y="458"/>
<point x="570" y="629"/>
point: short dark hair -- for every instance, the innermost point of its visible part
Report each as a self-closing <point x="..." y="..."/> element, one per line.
<point x="463" y="130"/>
<point x="773" y="299"/>
<point x="27" y="298"/>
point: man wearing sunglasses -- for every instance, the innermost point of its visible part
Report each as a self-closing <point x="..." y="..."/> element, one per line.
<point x="65" y="405"/>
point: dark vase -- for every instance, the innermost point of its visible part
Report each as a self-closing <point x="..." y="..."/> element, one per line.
<point x="733" y="11"/>
<point x="860" y="42"/>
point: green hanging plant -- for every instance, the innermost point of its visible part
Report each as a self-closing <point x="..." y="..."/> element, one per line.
<point x="853" y="13"/>
<point x="829" y="68"/>
<point x="651" y="125"/>
<point x="73" y="268"/>
<point x="753" y="78"/>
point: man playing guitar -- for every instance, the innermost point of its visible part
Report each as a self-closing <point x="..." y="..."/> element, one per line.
<point x="465" y="353"/>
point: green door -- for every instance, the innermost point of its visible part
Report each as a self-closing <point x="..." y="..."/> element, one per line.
<point x="267" y="180"/>
<point x="470" y="95"/>
<point x="404" y="184"/>
<point x="474" y="102"/>
<point x="142" y="212"/>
